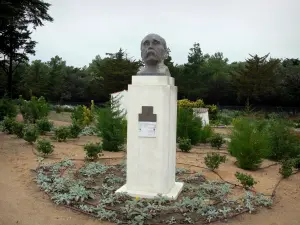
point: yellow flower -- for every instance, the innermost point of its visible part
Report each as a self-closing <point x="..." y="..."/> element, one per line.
<point x="137" y="198"/>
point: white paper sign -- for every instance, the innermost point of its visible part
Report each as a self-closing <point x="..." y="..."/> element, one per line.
<point x="147" y="129"/>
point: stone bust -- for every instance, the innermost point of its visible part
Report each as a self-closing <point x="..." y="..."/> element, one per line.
<point x="153" y="53"/>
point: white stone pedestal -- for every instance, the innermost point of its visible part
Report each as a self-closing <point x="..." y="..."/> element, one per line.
<point x="151" y="146"/>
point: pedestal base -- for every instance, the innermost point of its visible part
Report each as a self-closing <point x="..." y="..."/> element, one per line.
<point x="172" y="195"/>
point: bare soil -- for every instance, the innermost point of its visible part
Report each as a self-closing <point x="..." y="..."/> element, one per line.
<point x="21" y="201"/>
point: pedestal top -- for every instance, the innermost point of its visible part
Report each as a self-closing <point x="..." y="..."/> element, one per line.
<point x="153" y="80"/>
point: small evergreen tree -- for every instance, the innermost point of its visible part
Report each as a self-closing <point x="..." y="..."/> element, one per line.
<point x="111" y="126"/>
<point x="188" y="125"/>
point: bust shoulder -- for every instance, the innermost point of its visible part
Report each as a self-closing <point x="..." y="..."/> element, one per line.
<point x="159" y="70"/>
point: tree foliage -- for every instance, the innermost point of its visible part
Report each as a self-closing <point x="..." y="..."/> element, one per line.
<point x="19" y="18"/>
<point x="260" y="80"/>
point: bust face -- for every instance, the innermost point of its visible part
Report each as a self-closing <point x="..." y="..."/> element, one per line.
<point x="153" y="49"/>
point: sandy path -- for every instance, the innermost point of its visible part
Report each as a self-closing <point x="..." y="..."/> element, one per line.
<point x="21" y="202"/>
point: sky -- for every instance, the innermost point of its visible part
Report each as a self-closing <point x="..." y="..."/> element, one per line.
<point x="83" y="29"/>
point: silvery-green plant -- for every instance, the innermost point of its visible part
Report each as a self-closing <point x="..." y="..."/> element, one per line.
<point x="190" y="204"/>
<point x="248" y="198"/>
<point x="136" y="211"/>
<point x="88" y="131"/>
<point x="113" y="180"/>
<point x="225" y="210"/>
<point x="261" y="199"/>
<point x="80" y="193"/>
<point x="172" y="220"/>
<point x="180" y="171"/>
<point x="104" y="214"/>
<point x="61" y="198"/>
<point x="93" y="168"/>
<point x="210" y="212"/>
<point x="64" y="163"/>
<point x="187" y="219"/>
<point x="160" y="199"/>
<point x="86" y="208"/>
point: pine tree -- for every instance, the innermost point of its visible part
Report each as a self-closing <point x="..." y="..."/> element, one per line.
<point x="112" y="126"/>
<point x="256" y="80"/>
<point x="15" y="40"/>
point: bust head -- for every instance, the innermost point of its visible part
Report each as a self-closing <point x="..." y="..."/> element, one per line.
<point x="153" y="50"/>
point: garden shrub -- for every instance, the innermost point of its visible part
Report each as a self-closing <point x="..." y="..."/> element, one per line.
<point x="82" y="115"/>
<point x="8" y="124"/>
<point x="185" y="103"/>
<point x="246" y="180"/>
<point x="185" y="144"/>
<point x="249" y="143"/>
<point x="212" y="111"/>
<point x="18" y="129"/>
<point x="77" y="115"/>
<point x="87" y="116"/>
<point x="111" y="126"/>
<point x="296" y="163"/>
<point x="283" y="143"/>
<point x="30" y="133"/>
<point x="205" y="133"/>
<point x="35" y="109"/>
<point x="188" y="125"/>
<point x="213" y="160"/>
<point x="216" y="141"/>
<point x="58" y="109"/>
<point x="61" y="133"/>
<point x="7" y="109"/>
<point x="286" y="168"/>
<point x="92" y="150"/>
<point x="44" y="146"/>
<point x="44" y="125"/>
<point x="74" y="130"/>
<point x="297" y="123"/>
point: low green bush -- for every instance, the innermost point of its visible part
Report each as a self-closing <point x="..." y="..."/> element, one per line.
<point x="58" y="109"/>
<point x="77" y="115"/>
<point x="18" y="129"/>
<point x="82" y="115"/>
<point x="34" y="109"/>
<point x="297" y="123"/>
<point x="246" y="180"/>
<point x="283" y="143"/>
<point x="212" y="111"/>
<point x="31" y="133"/>
<point x="92" y="150"/>
<point x="296" y="163"/>
<point x="8" y="125"/>
<point x="249" y="143"/>
<point x="7" y="109"/>
<point x="205" y="134"/>
<point x="185" y="144"/>
<point x="213" y="160"/>
<point x="74" y="130"/>
<point x="61" y="133"/>
<point x="286" y="168"/>
<point x="216" y="141"/>
<point x="44" y="146"/>
<point x="44" y="125"/>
